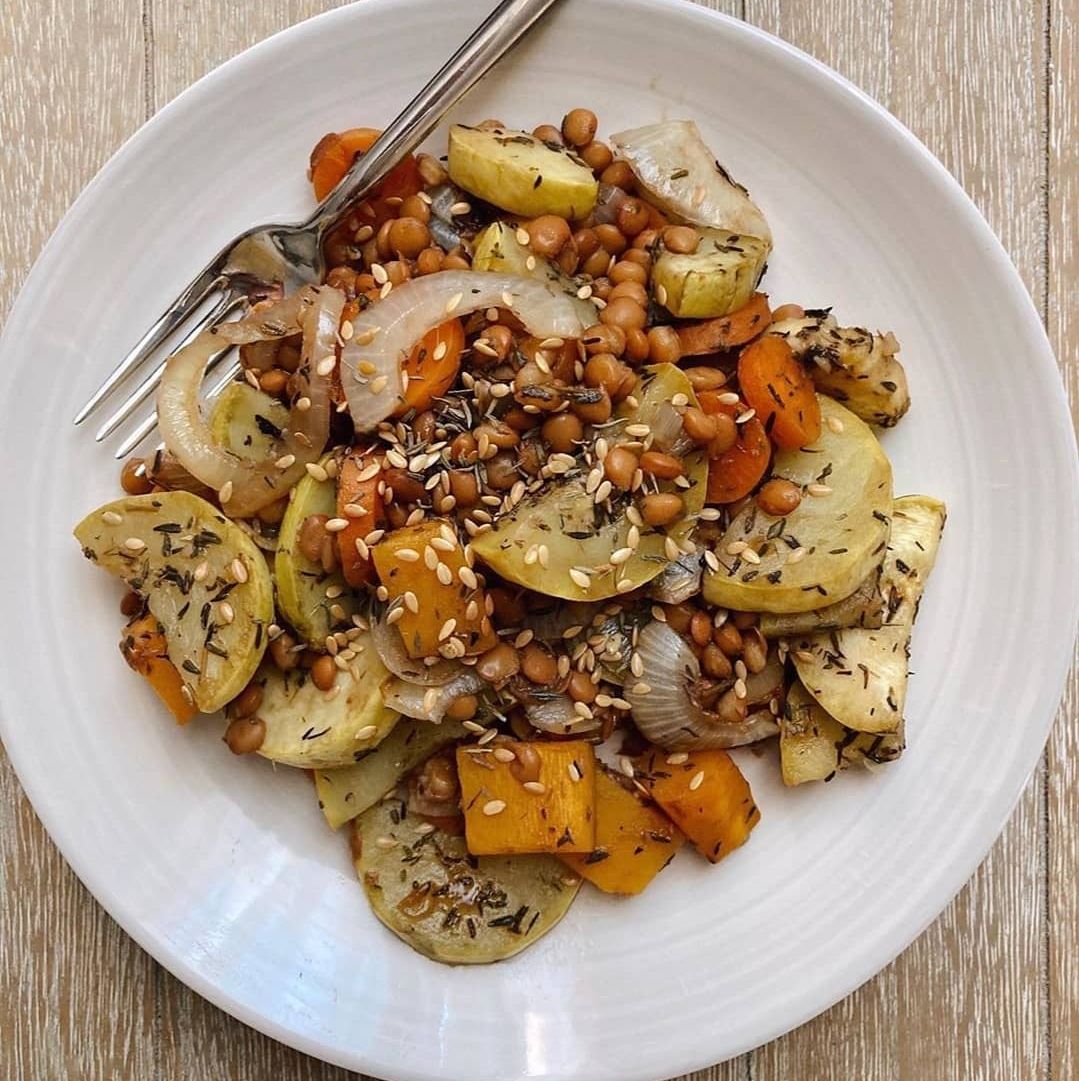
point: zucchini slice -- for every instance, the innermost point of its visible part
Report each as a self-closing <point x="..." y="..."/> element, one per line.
<point x="841" y="531"/>
<point x="247" y="421"/>
<point x="859" y="676"/>
<point x="863" y="608"/>
<point x="348" y="791"/>
<point x="447" y="904"/>
<point x="580" y="536"/>
<point x="312" y="601"/>
<point x="202" y="577"/>
<point x="317" y="729"/>
<point x="716" y="279"/>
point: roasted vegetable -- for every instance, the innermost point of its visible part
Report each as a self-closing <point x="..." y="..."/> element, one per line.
<point x="705" y="794"/>
<point x="863" y="608"/>
<point x="839" y="530"/>
<point x="776" y="386"/>
<point x="347" y="791"/>
<point x="444" y="902"/>
<point x="813" y="746"/>
<point x="679" y="173"/>
<point x="145" y="649"/>
<point x="202" y="577"/>
<point x="560" y="542"/>
<point x="498" y="249"/>
<point x="423" y="567"/>
<point x="554" y="813"/>
<point x="733" y="474"/>
<point x="323" y="729"/>
<point x="634" y="841"/>
<point x="431" y="368"/>
<point x="311" y="598"/>
<point x="716" y="335"/>
<point x="860" y="676"/>
<point x="247" y="421"/>
<point x="715" y="280"/>
<point x="519" y="173"/>
<point x="853" y="365"/>
<point x="360" y="505"/>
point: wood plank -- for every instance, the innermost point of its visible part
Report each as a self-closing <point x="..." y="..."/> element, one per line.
<point x="1063" y="325"/>
<point x="60" y="1019"/>
<point x="969" y="992"/>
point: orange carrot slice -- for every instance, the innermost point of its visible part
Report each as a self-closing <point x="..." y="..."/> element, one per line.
<point x="776" y="385"/>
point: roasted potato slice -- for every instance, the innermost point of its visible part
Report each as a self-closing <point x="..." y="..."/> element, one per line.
<point x="447" y="904"/>
<point x="715" y="280"/>
<point x="519" y="173"/>
<point x="579" y="536"/>
<point x="202" y="577"/>
<point x="859" y="676"/>
<point x="248" y="421"/>
<point x="313" y="600"/>
<point x="317" y="729"/>
<point x="347" y="791"/>
<point x="851" y="364"/>
<point x="863" y="608"/>
<point x="840" y="528"/>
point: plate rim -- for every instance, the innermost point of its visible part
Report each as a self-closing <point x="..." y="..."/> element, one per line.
<point x="1059" y="432"/>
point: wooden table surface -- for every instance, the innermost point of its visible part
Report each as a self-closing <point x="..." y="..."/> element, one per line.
<point x="991" y="990"/>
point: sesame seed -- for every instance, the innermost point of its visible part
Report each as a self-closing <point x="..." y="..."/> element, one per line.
<point x="385" y="290"/>
<point x="365" y="337"/>
<point x="530" y="263"/>
<point x="473" y="726"/>
<point x="134" y="544"/>
<point x="444" y="574"/>
<point x="453" y="302"/>
<point x="626" y="766"/>
<point x="460" y="208"/>
<point x="638" y="431"/>
<point x="491" y="733"/>
<point x="110" y="517"/>
<point x="386" y="842"/>
<point x="285" y="461"/>
<point x="335" y="525"/>
<point x="316" y="471"/>
<point x="602" y="492"/>
<point x="818" y="489"/>
<point x="369" y="472"/>
<point x="468" y="577"/>
<point x="378" y="272"/>
<point x="736" y="548"/>
<point x="447" y="629"/>
<point x="326" y="365"/>
<point x="797" y="555"/>
<point x="494" y="807"/>
<point x="538" y="787"/>
<point x="273" y="631"/>
<point x="696" y="781"/>
<point x="835" y="424"/>
<point x="579" y="578"/>
<point x="239" y="571"/>
<point x="407" y="555"/>
<point x="641" y="688"/>
<point x="680" y="758"/>
<point x="751" y="557"/>
<point x="430" y="700"/>
<point x="201" y="571"/>
<point x="740" y="669"/>
<point x="748" y="415"/>
<point x="367" y="732"/>
<point x="740" y="688"/>
<point x="709" y="514"/>
<point x="661" y="294"/>
<point x="523" y="238"/>
<point x="671" y="549"/>
<point x="574" y="771"/>
<point x="424" y="828"/>
<point x="727" y="398"/>
<point x="252" y="379"/>
<point x="412" y="602"/>
<point x="347" y="330"/>
<point x="543" y="555"/>
<point x="379" y="385"/>
<point x="225" y="494"/>
<point x="804" y="655"/>
<point x="582" y="709"/>
<point x="621" y="555"/>
<point x="679" y="400"/>
<point x="226" y="612"/>
<point x="394" y="615"/>
<point x="624" y="585"/>
<point x="504" y="754"/>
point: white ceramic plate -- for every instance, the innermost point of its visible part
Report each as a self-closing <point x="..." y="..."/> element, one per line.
<point x="224" y="870"/>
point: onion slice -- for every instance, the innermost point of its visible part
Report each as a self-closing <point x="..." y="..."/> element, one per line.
<point x="667" y="713"/>
<point x="429" y="703"/>
<point x="552" y="712"/>
<point x="392" y="653"/>
<point x="253" y="485"/>
<point x="678" y="581"/>
<point x="385" y="333"/>
<point x="678" y="172"/>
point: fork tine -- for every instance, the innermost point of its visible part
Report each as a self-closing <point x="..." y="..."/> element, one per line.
<point x="223" y="308"/>
<point x="174" y="315"/>
<point x="150" y="423"/>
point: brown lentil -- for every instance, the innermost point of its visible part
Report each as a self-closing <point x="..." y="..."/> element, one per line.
<point x="597" y="156"/>
<point x="548" y="133"/>
<point x="406" y="488"/>
<point x="273" y="512"/>
<point x="632" y="216"/>
<point x="463" y="448"/>
<point x="728" y="638"/>
<point x="245" y="735"/>
<point x="537" y="664"/>
<point x="247" y="702"/>
<point x="283" y="653"/>
<point x="715" y="663"/>
<point x="498" y="434"/>
<point x="637" y="343"/>
<point x="700" y="628"/>
<point x="628" y="270"/>
<point x="312" y="534"/>
<point x="548" y="234"/>
<point x="324" y="672"/>
<point x="705" y="378"/>
<point x="595" y="266"/>
<point x="744" y="620"/>
<point x="634" y="291"/>
<point x="581" y="688"/>
<point x="754" y="649"/>
<point x="594" y="409"/>
<point x="507" y="608"/>
<point x="130" y="604"/>
<point x="134" y="478"/>
<point x="463" y="708"/>
<point x="726" y="435"/>
<point x="429" y="261"/>
<point x="664" y="346"/>
<point x="627" y="314"/>
<point x="678" y="616"/>
<point x="586" y="241"/>
<point x="664" y="466"/>
<point x="788" y="311"/>
<point x="464" y="487"/>
<point x="498" y="664"/>
<point x="699" y="425"/>
<point x="610" y="238"/>
<point x="779" y="497"/>
<point x="562" y="432"/>
<point x="661" y="508"/>
<point x="619" y="467"/>
<point x="579" y="127"/>
<point x="408" y="236"/>
<point x="501" y="471"/>
<point x="681" y="239"/>
<point x="619" y="175"/>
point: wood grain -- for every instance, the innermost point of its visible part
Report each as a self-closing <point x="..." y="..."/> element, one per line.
<point x="991" y="990"/>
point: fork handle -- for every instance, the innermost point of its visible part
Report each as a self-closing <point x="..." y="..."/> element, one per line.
<point x="491" y="40"/>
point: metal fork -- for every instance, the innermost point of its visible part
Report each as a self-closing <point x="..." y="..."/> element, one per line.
<point x="270" y="258"/>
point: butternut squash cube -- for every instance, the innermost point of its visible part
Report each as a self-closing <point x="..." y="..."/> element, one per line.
<point x="705" y="794"/>
<point x="443" y="607"/>
<point x="634" y="841"/>
<point x="556" y="812"/>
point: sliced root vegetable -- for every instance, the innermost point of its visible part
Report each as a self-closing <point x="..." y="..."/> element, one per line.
<point x="556" y="813"/>
<point x="347" y="791"/>
<point x="145" y="649"/>
<point x="706" y="796"/>
<point x="249" y="422"/>
<point x="733" y="474"/>
<point x="713" y="281"/>
<point x="447" y="904"/>
<point x="728" y="332"/>
<point x="385" y="334"/>
<point x="440" y="607"/>
<point x="859" y="676"/>
<point x="432" y="366"/>
<point x="252" y="485"/>
<point x="333" y="157"/>
<point x="311" y="591"/>
<point x="634" y="841"/>
<point x="824" y="549"/>
<point x="850" y="364"/>
<point x="665" y="702"/>
<point x="775" y="384"/>
<point x="202" y="578"/>
<point x="680" y="174"/>
<point x="863" y="608"/>
<point x="360" y="505"/>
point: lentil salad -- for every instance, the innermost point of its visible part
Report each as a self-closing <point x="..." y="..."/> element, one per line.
<point x="519" y="522"/>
